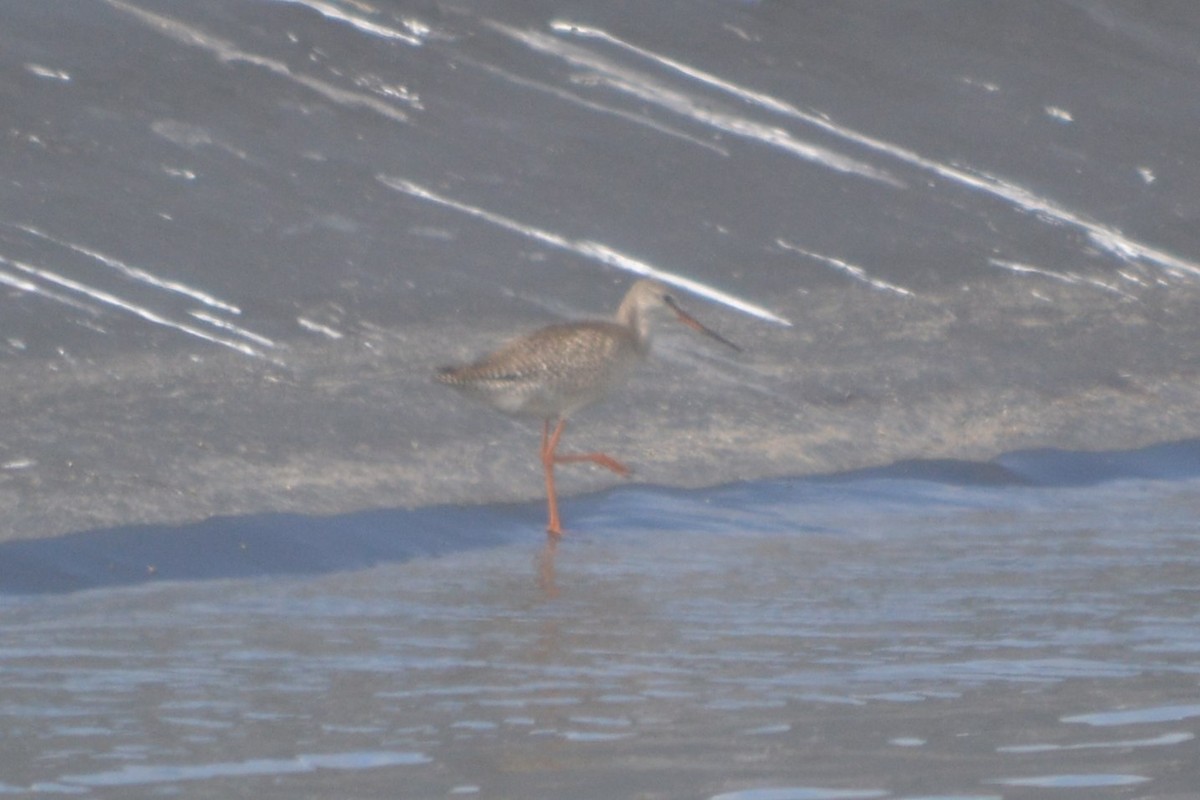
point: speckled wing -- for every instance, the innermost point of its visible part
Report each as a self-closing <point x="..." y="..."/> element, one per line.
<point x="551" y="372"/>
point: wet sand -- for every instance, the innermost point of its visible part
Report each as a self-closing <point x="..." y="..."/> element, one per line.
<point x="232" y="255"/>
<point x="860" y="380"/>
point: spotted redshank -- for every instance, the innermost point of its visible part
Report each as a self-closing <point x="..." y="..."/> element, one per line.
<point x="555" y="371"/>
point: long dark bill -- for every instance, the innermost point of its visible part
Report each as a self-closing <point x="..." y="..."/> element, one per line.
<point x="695" y="324"/>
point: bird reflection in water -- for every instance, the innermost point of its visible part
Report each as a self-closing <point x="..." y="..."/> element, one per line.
<point x="546" y="576"/>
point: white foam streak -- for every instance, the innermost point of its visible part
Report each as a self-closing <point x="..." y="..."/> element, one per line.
<point x="330" y="11"/>
<point x="316" y="327"/>
<point x="47" y="72"/>
<point x="1061" y="277"/>
<point x="584" y="247"/>
<point x="148" y="315"/>
<point x="765" y="101"/>
<point x="226" y="325"/>
<point x="648" y="90"/>
<point x="226" y="51"/>
<point x="854" y="271"/>
<point x="637" y="119"/>
<point x="26" y="285"/>
<point x="140" y="275"/>
<point x="1106" y="237"/>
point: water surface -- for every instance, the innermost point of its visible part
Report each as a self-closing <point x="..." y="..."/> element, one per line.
<point x="864" y="636"/>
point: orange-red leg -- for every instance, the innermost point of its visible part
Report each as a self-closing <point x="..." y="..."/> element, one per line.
<point x="550" y="457"/>
<point x="554" y="525"/>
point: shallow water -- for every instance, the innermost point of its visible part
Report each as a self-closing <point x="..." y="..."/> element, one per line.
<point x="865" y="636"/>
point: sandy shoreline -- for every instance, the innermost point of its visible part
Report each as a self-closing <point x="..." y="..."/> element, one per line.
<point x="861" y="380"/>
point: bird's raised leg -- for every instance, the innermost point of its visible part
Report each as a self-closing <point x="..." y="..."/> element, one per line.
<point x="604" y="460"/>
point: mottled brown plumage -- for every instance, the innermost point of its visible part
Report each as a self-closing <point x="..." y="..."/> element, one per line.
<point x="557" y="370"/>
<point x="552" y="372"/>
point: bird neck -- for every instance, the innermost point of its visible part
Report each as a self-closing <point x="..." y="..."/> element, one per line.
<point x="633" y="316"/>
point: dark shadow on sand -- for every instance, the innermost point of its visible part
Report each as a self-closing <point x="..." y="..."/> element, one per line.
<point x="255" y="545"/>
<point x="1044" y="467"/>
